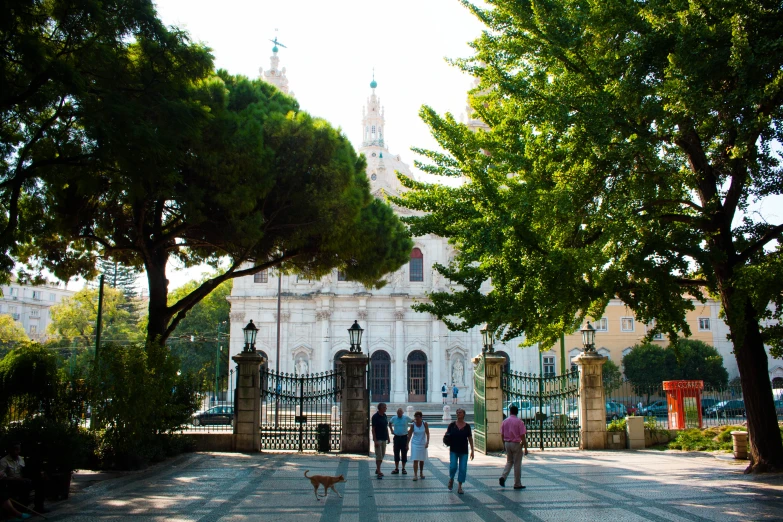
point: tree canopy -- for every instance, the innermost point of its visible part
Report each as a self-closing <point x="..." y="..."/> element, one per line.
<point x="627" y="143"/>
<point x="647" y="365"/>
<point x="75" y="318"/>
<point x="54" y="54"/>
<point x="201" y="167"/>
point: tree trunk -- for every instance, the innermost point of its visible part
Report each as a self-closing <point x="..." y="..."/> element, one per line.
<point x="159" y="315"/>
<point x="766" y="448"/>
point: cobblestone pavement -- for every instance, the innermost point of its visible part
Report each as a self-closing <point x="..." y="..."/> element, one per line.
<point x="561" y="485"/>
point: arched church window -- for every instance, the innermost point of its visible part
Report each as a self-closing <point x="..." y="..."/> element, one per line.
<point x="373" y="129"/>
<point x="417" y="265"/>
<point x="373" y="177"/>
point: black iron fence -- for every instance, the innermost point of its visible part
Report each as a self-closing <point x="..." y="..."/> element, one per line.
<point x="549" y="405"/>
<point x="301" y="412"/>
<point x="719" y="406"/>
<point x="68" y="403"/>
<point x="216" y="405"/>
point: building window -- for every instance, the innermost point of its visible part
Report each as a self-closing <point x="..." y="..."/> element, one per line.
<point x="373" y="130"/>
<point x="15" y="292"/>
<point x="417" y="265"/>
<point x="657" y="336"/>
<point x="12" y="309"/>
<point x="626" y="351"/>
<point x="33" y="329"/>
<point x="602" y="325"/>
<point x="35" y="313"/>
<point x="341" y="276"/>
<point x="605" y="353"/>
<point x="52" y="297"/>
<point x="704" y="324"/>
<point x="37" y="294"/>
<point x="626" y="324"/>
<point x="549" y="366"/>
<point x="261" y="277"/>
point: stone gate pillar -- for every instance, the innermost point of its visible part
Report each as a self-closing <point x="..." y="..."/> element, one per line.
<point x="592" y="403"/>
<point x="247" y="402"/>
<point x="355" y="437"/>
<point x="493" y="400"/>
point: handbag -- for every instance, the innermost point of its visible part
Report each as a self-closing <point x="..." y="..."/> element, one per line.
<point x="447" y="436"/>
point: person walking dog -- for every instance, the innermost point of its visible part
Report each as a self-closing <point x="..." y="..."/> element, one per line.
<point x="514" y="432"/>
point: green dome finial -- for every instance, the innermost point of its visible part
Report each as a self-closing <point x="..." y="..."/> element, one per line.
<point x="373" y="83"/>
<point x="275" y="49"/>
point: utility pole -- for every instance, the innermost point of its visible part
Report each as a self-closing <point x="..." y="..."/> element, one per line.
<point x="278" y="386"/>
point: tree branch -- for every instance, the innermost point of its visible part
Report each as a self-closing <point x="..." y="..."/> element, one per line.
<point x="773" y="233"/>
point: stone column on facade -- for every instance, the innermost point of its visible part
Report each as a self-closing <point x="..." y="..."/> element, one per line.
<point x="247" y="403"/>
<point x="355" y="436"/>
<point x="400" y="391"/>
<point x="323" y="317"/>
<point x="437" y="361"/>
<point x="493" y="399"/>
<point x="592" y="403"/>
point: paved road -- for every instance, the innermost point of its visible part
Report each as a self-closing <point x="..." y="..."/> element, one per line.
<point x="561" y="485"/>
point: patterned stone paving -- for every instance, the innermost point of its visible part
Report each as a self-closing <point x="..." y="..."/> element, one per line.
<point x="566" y="485"/>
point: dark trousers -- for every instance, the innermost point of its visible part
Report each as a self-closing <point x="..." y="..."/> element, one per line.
<point x="400" y="449"/>
<point x="19" y="490"/>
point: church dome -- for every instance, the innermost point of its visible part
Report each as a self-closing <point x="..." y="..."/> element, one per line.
<point x="373" y="84"/>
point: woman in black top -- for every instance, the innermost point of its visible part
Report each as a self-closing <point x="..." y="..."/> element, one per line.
<point x="461" y="436"/>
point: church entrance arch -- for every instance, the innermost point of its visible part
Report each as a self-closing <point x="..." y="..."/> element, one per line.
<point x="417" y="376"/>
<point x="507" y="364"/>
<point x="380" y="376"/>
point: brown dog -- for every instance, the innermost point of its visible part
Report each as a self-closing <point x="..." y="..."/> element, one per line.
<point x="325" y="481"/>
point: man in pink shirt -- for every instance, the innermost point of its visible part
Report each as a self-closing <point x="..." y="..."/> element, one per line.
<point x="513" y="432"/>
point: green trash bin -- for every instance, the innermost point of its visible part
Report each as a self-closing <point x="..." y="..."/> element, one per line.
<point x="323" y="435"/>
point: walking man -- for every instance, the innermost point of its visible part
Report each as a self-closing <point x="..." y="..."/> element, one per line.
<point x="399" y="428"/>
<point x="445" y="391"/>
<point x="513" y="432"/>
<point x="454" y="392"/>
<point x="380" y="434"/>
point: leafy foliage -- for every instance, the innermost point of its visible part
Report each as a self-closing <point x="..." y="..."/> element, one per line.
<point x="625" y="139"/>
<point x="140" y="399"/>
<point x="11" y="333"/>
<point x="612" y="377"/>
<point x="648" y="365"/>
<point x="75" y="318"/>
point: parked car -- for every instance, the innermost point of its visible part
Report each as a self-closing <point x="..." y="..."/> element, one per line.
<point x="707" y="404"/>
<point x="656" y="409"/>
<point x="615" y="410"/>
<point x="527" y="410"/>
<point x="215" y="415"/>
<point x="779" y="407"/>
<point x="733" y="408"/>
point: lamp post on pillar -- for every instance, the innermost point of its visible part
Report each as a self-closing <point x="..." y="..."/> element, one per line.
<point x="355" y="396"/>
<point x="247" y="400"/>
<point x="592" y="403"/>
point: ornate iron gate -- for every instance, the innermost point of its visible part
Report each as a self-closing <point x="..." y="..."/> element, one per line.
<point x="549" y="406"/>
<point x="479" y="406"/>
<point x="301" y="412"/>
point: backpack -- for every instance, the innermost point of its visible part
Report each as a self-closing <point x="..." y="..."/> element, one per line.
<point x="443" y="389"/>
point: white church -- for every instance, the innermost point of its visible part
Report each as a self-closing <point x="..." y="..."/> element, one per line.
<point x="412" y="354"/>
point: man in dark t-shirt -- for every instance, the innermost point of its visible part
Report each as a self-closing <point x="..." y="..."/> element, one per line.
<point x="380" y="434"/>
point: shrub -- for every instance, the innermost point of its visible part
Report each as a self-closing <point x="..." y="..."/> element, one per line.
<point x="693" y="440"/>
<point x="617" y="425"/>
<point x="54" y="446"/>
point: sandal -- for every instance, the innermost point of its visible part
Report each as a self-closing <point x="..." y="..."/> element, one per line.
<point x="395" y="472"/>
<point x="451" y="484"/>
<point x="422" y="477"/>
<point x="460" y="491"/>
<point x="404" y="472"/>
<point x="415" y="479"/>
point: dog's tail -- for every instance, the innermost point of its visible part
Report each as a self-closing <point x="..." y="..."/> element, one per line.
<point x="306" y="472"/>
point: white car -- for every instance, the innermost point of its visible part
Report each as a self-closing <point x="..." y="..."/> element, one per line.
<point x="527" y="409"/>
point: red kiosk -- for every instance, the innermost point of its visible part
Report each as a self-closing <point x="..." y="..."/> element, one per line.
<point x="684" y="400"/>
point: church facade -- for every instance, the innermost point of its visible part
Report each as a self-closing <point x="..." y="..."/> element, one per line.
<point x="412" y="354"/>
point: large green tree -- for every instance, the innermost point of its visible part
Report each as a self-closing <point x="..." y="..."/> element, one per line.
<point x="75" y="318"/>
<point x="647" y="365"/>
<point x="251" y="179"/>
<point x="627" y="141"/>
<point x="53" y="53"/>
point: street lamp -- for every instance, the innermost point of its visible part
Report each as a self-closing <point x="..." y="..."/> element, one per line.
<point x="487" y="339"/>
<point x="355" y="334"/>
<point x="250" y="332"/>
<point x="588" y="338"/>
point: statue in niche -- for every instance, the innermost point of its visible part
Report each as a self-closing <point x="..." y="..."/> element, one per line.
<point x="458" y="372"/>
<point x="301" y="366"/>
